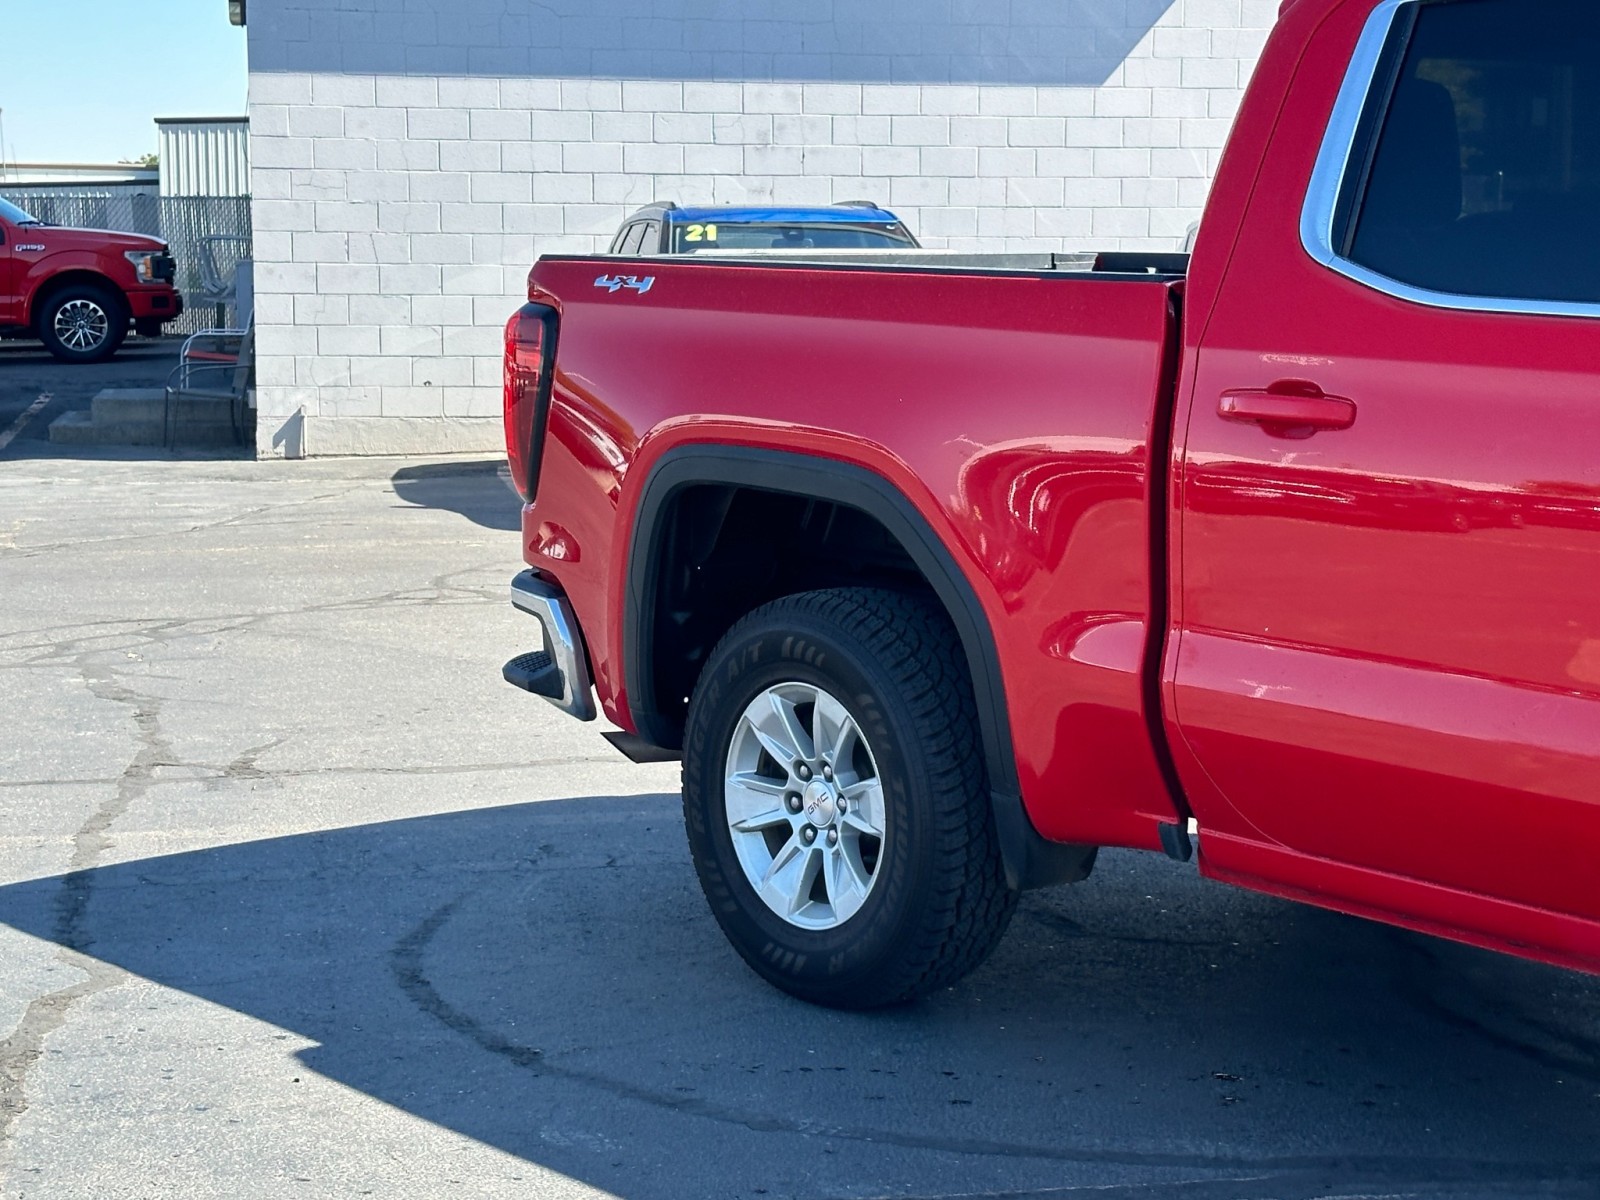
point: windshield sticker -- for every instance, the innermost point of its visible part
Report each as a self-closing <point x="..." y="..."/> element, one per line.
<point x="699" y="233"/>
<point x="613" y="283"/>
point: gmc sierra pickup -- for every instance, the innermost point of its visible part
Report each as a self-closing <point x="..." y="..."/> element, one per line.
<point x="940" y="578"/>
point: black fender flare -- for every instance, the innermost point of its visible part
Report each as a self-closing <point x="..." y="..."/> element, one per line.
<point x="1030" y="860"/>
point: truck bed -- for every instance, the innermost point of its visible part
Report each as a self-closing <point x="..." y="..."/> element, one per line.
<point x="1021" y="408"/>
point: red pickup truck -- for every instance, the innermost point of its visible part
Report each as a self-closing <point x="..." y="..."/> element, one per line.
<point x="77" y="290"/>
<point x="939" y="579"/>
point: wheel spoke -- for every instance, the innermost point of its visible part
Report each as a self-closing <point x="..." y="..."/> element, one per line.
<point x="833" y="731"/>
<point x="846" y="883"/>
<point x="772" y="721"/>
<point x="784" y="710"/>
<point x="749" y="783"/>
<point x="788" y="882"/>
<point x="782" y="755"/>
<point x="756" y="822"/>
<point x="865" y="813"/>
<point x="755" y="803"/>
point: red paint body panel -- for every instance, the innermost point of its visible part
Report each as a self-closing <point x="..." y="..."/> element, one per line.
<point x="1015" y="413"/>
<point x="1380" y="686"/>
<point x="1444" y="912"/>
<point x="1388" y="641"/>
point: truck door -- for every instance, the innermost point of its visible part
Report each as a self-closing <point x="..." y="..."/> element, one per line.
<point x="10" y="284"/>
<point x="1388" y="495"/>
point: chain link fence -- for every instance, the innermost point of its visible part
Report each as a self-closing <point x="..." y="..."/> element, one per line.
<point x="208" y="235"/>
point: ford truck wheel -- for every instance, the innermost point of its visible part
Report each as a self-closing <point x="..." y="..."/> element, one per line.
<point x="82" y="323"/>
<point x="835" y="799"/>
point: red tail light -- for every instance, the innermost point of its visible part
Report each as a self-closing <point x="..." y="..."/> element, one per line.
<point x="529" y="367"/>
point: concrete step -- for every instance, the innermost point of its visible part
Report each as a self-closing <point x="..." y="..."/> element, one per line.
<point x="148" y="404"/>
<point x="83" y="429"/>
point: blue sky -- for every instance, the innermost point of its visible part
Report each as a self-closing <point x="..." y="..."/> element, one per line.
<point x="81" y="80"/>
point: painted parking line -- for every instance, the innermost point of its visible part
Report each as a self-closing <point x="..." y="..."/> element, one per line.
<point x="20" y="422"/>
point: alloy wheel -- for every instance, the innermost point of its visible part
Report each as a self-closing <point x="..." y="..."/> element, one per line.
<point x="805" y="805"/>
<point x="82" y="325"/>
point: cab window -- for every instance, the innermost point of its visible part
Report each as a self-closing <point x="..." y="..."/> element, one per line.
<point x="628" y="240"/>
<point x="1485" y="173"/>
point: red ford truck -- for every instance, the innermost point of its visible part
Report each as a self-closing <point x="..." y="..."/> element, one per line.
<point x="940" y="578"/>
<point x="78" y="290"/>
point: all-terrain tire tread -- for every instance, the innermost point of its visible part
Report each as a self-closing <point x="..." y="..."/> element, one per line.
<point x="909" y="636"/>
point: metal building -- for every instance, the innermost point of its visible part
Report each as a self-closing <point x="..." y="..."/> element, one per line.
<point x="204" y="156"/>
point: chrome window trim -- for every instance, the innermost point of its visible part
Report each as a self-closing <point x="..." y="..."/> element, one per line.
<point x="1334" y="162"/>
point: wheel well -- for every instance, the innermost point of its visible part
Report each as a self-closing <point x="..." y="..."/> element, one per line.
<point x="722" y="529"/>
<point x="67" y="279"/>
<point x="722" y="550"/>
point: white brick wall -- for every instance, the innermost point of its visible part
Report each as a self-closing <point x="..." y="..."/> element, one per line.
<point x="411" y="159"/>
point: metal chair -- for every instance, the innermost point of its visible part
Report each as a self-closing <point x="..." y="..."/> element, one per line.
<point x="219" y="260"/>
<point x="226" y="356"/>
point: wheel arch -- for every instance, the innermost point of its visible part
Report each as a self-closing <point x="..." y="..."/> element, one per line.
<point x="1030" y="860"/>
<point x="52" y="284"/>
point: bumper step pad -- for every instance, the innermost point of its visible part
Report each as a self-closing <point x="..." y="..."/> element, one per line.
<point x="535" y="672"/>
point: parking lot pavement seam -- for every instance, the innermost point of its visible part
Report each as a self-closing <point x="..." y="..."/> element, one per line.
<point x="25" y="1045"/>
<point x="22" y="1049"/>
<point x="238" y="520"/>
<point x="437" y="592"/>
<point x="233" y="771"/>
<point x="46" y="1014"/>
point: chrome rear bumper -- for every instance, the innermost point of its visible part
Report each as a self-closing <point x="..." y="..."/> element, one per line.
<point x="559" y="672"/>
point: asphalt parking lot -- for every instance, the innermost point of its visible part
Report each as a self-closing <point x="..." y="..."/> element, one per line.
<point x="298" y="899"/>
<point x="35" y="389"/>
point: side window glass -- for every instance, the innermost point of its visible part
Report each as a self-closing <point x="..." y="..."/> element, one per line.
<point x="635" y="238"/>
<point x="652" y="238"/>
<point x="1485" y="177"/>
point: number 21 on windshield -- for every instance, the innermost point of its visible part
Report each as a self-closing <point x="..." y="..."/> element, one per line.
<point x="699" y="233"/>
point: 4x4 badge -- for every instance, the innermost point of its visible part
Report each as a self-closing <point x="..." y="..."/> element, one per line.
<point x="613" y="282"/>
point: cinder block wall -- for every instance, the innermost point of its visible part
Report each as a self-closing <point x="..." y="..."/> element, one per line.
<point x="410" y="158"/>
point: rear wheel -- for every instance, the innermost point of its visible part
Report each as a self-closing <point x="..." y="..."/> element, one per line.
<point x="82" y="323"/>
<point x="835" y="799"/>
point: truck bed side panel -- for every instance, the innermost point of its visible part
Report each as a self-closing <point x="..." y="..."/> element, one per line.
<point x="1013" y="411"/>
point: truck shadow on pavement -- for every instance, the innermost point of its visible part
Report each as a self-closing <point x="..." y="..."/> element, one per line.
<point x="545" y="978"/>
<point x="478" y="491"/>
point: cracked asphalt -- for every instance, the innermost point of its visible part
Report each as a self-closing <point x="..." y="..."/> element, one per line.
<point x="298" y="899"/>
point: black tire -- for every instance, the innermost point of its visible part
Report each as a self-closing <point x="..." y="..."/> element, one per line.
<point x="939" y="902"/>
<point x="81" y="310"/>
